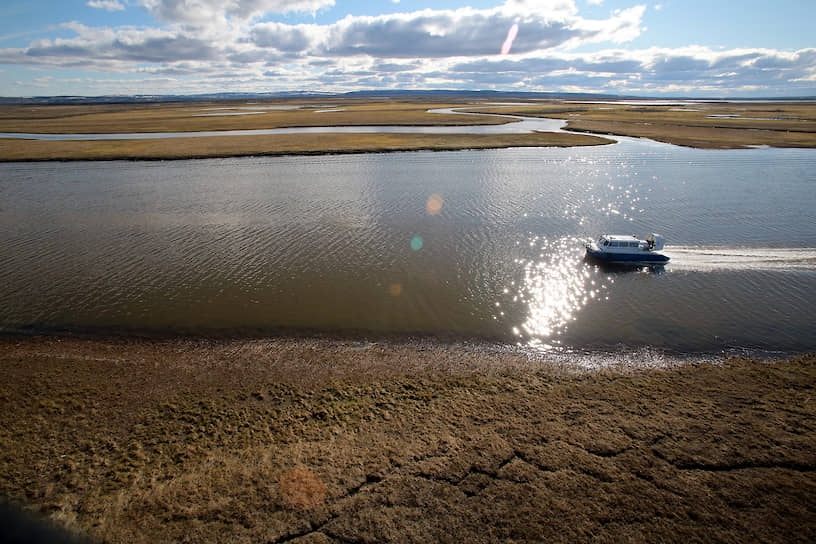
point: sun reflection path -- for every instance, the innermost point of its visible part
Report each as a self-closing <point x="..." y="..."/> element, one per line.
<point x="555" y="286"/>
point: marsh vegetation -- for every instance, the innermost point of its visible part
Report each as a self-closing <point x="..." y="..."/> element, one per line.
<point x="323" y="440"/>
<point x="705" y="125"/>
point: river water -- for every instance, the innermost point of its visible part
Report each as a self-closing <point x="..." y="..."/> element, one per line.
<point x="470" y="244"/>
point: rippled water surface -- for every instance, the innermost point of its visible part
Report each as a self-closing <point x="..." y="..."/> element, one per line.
<point x="482" y="244"/>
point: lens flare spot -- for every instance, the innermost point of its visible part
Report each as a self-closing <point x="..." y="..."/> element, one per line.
<point x="302" y="489"/>
<point x="416" y="243"/>
<point x="434" y="204"/>
<point x="395" y="289"/>
<point x="511" y="37"/>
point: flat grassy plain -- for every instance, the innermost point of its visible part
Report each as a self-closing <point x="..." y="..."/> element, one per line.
<point x="205" y="116"/>
<point x="321" y="440"/>
<point x="703" y="125"/>
<point x="192" y="117"/>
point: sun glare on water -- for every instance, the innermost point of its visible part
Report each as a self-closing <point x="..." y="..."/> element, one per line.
<point x="554" y="287"/>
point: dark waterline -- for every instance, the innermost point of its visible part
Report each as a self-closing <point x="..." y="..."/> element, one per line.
<point x="361" y="243"/>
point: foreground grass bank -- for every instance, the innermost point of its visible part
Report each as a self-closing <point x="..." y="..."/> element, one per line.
<point x="318" y="440"/>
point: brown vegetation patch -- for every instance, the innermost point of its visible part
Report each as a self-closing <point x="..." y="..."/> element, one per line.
<point x="703" y="125"/>
<point x="699" y="137"/>
<point x="187" y="116"/>
<point x="321" y="440"/>
<point x="277" y="144"/>
<point x="711" y="125"/>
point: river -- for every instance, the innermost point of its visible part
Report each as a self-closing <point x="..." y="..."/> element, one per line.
<point x="469" y="244"/>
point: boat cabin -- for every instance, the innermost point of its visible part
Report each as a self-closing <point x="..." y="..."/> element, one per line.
<point x="615" y="242"/>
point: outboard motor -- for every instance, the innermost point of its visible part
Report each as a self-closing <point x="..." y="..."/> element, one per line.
<point x="655" y="242"/>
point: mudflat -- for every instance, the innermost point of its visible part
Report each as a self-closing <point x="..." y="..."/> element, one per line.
<point x="320" y="439"/>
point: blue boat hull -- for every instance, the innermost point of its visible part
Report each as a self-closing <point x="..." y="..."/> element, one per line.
<point x="627" y="258"/>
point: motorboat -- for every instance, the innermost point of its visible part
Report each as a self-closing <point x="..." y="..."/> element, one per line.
<point x="627" y="249"/>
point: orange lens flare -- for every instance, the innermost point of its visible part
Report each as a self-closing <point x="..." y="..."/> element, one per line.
<point x="434" y="204"/>
<point x="302" y="489"/>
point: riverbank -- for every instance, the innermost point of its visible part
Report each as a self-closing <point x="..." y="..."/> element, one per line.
<point x="333" y="440"/>
<point x="278" y="145"/>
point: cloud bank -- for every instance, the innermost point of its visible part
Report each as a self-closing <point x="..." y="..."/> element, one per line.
<point x="211" y="45"/>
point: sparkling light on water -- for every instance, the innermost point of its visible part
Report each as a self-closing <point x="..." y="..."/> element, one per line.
<point x="554" y="287"/>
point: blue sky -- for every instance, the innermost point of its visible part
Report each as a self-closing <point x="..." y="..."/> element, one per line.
<point x="654" y="48"/>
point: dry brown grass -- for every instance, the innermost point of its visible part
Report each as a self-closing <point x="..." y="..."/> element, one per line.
<point x="319" y="440"/>
<point x="278" y="144"/>
<point x="783" y="124"/>
<point x="700" y="137"/>
<point x="791" y="124"/>
<point x="181" y="117"/>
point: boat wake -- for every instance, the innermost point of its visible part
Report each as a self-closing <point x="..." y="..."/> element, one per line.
<point x="740" y="258"/>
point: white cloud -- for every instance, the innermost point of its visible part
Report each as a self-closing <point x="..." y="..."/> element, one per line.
<point x="653" y="71"/>
<point x="107" y="5"/>
<point x="623" y="26"/>
<point x="448" y="33"/>
<point x="456" y="49"/>
<point x="218" y="12"/>
<point x="553" y="8"/>
<point x="289" y="38"/>
<point x="227" y="29"/>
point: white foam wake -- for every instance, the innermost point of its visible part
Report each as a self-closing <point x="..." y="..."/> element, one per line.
<point x="740" y="258"/>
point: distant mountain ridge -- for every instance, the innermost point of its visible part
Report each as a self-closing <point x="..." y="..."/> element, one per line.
<point x="383" y="93"/>
<point x="290" y="95"/>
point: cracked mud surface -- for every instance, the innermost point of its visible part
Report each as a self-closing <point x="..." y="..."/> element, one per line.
<point x="327" y="441"/>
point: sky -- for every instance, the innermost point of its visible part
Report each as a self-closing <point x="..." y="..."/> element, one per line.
<point x="664" y="48"/>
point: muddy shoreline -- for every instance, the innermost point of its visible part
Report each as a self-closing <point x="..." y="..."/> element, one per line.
<point x="331" y="440"/>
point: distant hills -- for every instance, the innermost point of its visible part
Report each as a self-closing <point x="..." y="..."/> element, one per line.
<point x="293" y="95"/>
<point x="383" y="93"/>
